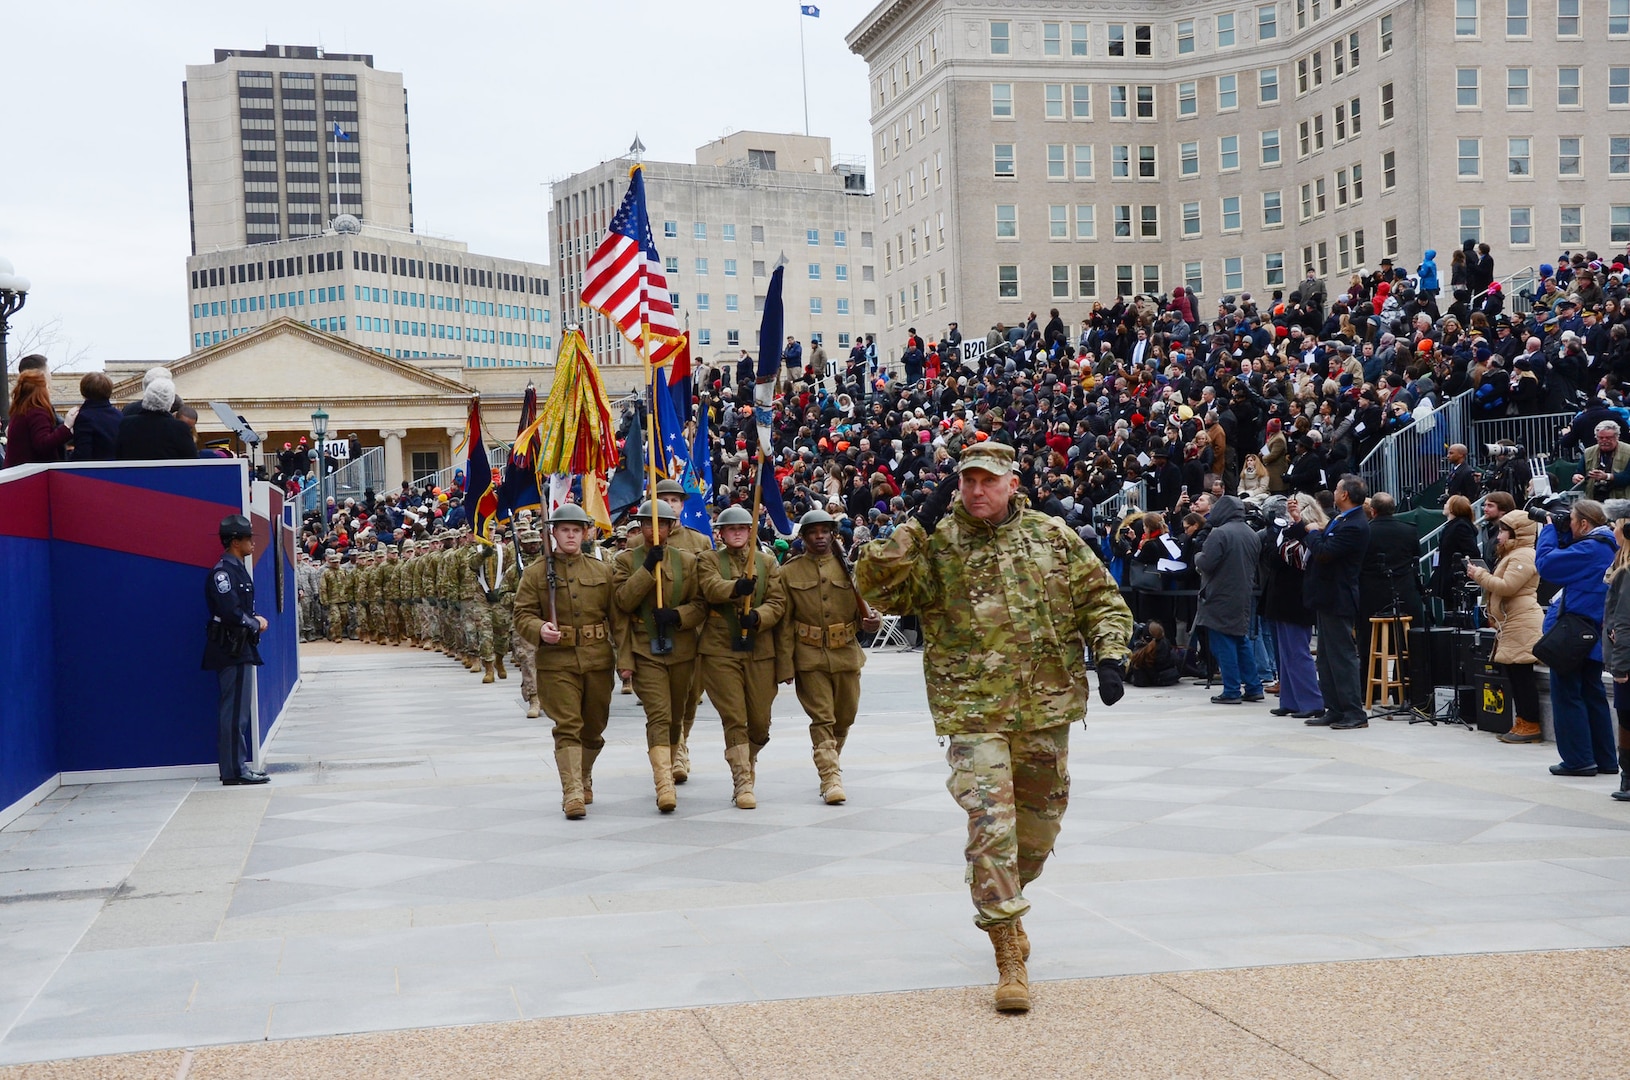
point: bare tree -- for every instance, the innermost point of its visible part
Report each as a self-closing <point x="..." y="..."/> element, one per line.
<point x="47" y="338"/>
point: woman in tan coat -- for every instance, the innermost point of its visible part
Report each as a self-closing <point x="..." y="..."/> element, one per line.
<point x="1517" y="618"/>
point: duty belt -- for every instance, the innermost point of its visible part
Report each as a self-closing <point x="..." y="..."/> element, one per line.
<point x="576" y="635"/>
<point x="835" y="636"/>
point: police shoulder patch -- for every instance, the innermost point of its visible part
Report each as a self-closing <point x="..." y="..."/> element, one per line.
<point x="222" y="582"/>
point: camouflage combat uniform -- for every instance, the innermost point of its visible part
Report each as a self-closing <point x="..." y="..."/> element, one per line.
<point x="331" y="592"/>
<point x="524" y="648"/>
<point x="1007" y="613"/>
<point x="391" y="592"/>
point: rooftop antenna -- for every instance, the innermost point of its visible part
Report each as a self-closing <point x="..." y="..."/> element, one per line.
<point x="636" y="148"/>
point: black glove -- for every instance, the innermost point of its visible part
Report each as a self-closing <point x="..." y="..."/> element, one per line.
<point x="935" y="506"/>
<point x="666" y="618"/>
<point x="744" y="587"/>
<point x="750" y="620"/>
<point x="653" y="555"/>
<point x="1111" y="684"/>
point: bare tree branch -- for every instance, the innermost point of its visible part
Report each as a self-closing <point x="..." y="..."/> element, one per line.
<point x="47" y="338"/>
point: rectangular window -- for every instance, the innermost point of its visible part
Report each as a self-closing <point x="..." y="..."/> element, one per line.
<point x="701" y="267"/>
<point x="815" y="305"/>
<point x="1468" y="93"/>
<point x="1117" y="39"/>
<point x="1078" y="39"/>
<point x="1188" y="159"/>
<point x="1151" y="278"/>
<point x="1389" y="238"/>
<point x="1386" y="103"/>
<point x="1003" y="155"/>
<point x="1055" y="161"/>
<point x="1466" y="18"/>
<point x="670" y="265"/>
<point x="1061" y="281"/>
<point x="1567" y="88"/>
<point x="1618" y="155"/>
<point x="1123" y="280"/>
<point x="1231" y="218"/>
<point x="1192" y="278"/>
<point x="1058" y="223"/>
<point x="1270" y="147"/>
<point x="1618" y="86"/>
<point x="1618" y="17"/>
<point x="1191" y="219"/>
<point x="1389" y="170"/>
<point x="1273" y="209"/>
<point x="1185" y="37"/>
<point x="730" y="268"/>
<point x="698" y="230"/>
<point x="1146" y="163"/>
<point x="1267" y="22"/>
<point x="840" y="238"/>
<point x="1086" y="222"/>
<point x="1188" y="102"/>
<point x="1007" y="282"/>
<point x="1053" y="100"/>
<point x="1341" y="122"/>
<point x="1470" y="158"/>
<point x="1118" y="103"/>
<point x="1086" y="281"/>
<point x="1343" y="189"/>
<point x="1522" y="226"/>
<point x="1572" y="229"/>
<point x="1228" y="152"/>
<point x="1352" y="51"/>
<point x="1344" y="252"/>
<point x="1142" y="40"/>
<point x="1120" y="162"/>
<point x="1567" y="18"/>
<point x="1227" y="92"/>
<point x="1516" y="88"/>
<point x="1233" y="273"/>
<point x="1146" y="101"/>
<point x="1471" y="224"/>
<point x="1001" y="99"/>
<point x="1081" y="101"/>
<point x="1516" y="18"/>
<point x="703" y="301"/>
<point x="1083" y="161"/>
<point x="1618" y="224"/>
<point x="1518" y="153"/>
<point x="1225" y="30"/>
<point x="840" y="272"/>
<point x="1353" y="116"/>
<point x="1267" y="85"/>
<point x="1052" y="39"/>
<point x="729" y="233"/>
<point x="1273" y="269"/>
<point x="1386" y="34"/>
<point x="1000" y="39"/>
<point x="814" y="271"/>
<point x="1567" y="156"/>
<point x="732" y="302"/>
<point x="1007" y="220"/>
<point x="1123" y="222"/>
<point x="670" y="230"/>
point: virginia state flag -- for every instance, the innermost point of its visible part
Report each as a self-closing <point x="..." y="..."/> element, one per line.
<point x="809" y="9"/>
<point x="481" y="497"/>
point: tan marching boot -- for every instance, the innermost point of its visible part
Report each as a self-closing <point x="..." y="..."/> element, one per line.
<point x="498" y="665"/>
<point x="1024" y="940"/>
<point x="662" y="775"/>
<point x="1523" y="731"/>
<point x="533" y="708"/>
<point x="681" y="761"/>
<point x="826" y="763"/>
<point x="1012" y="981"/>
<point x="628" y="686"/>
<point x="741" y="777"/>
<point x="569" y="760"/>
<point x="589" y="776"/>
<point x="486" y="671"/>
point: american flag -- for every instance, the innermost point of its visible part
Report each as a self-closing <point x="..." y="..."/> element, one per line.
<point x="625" y="279"/>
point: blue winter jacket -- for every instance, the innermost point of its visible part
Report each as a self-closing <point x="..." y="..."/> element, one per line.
<point x="1579" y="569"/>
<point x="1429" y="272"/>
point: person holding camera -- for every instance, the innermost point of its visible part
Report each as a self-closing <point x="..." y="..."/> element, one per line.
<point x="1575" y="553"/>
<point x="1515" y="615"/>
<point x="1456" y="544"/>
<point x="230" y="642"/>
<point x="1606" y="472"/>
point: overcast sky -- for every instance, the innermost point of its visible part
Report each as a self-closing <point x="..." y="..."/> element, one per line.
<point x="502" y="97"/>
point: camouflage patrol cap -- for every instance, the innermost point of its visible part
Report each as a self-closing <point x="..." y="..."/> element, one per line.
<point x="671" y="487"/>
<point x="390" y="551"/>
<point x="664" y="512"/>
<point x="332" y="556"/>
<point x="994" y="457"/>
<point x="733" y="515"/>
<point x="815" y="517"/>
<point x="531" y="536"/>
<point x="570" y="514"/>
<point x="407" y="546"/>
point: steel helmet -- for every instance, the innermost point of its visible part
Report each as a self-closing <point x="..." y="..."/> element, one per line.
<point x="733" y="515"/>
<point x="664" y="512"/>
<point x="815" y="517"/>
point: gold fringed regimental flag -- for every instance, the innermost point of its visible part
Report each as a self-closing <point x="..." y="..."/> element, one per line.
<point x="574" y="435"/>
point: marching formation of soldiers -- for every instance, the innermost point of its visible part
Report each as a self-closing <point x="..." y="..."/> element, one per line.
<point x="671" y="616"/>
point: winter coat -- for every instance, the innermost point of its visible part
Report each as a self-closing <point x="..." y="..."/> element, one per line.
<point x="96" y="430"/>
<point x="146" y="435"/>
<point x="1228" y="570"/>
<point x="1513" y="609"/>
<point x="1616" y="627"/>
<point x="34" y="436"/>
<point x="1429" y="272"/>
<point x="1578" y="568"/>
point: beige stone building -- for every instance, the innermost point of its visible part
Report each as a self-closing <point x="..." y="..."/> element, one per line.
<point x="720" y="225"/>
<point x="1040" y="153"/>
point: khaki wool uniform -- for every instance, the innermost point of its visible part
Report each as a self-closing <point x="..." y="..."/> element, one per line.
<point x="331" y="592"/>
<point x="663" y="683"/>
<point x="574" y="676"/>
<point x="816" y="645"/>
<point x="683" y="538"/>
<point x="740" y="683"/>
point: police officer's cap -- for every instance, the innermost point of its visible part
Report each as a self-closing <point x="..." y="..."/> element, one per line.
<point x="570" y="514"/>
<point x="733" y="515"/>
<point x="664" y="512"/>
<point x="815" y="517"/>
<point x="671" y="487"/>
<point x="236" y="527"/>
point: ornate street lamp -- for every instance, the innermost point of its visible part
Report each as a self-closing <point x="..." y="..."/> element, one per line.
<point x="319" y="428"/>
<point x="13" y="295"/>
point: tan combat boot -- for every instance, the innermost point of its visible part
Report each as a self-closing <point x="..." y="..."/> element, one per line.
<point x="1024" y="940"/>
<point x="826" y="763"/>
<point x="498" y="665"/>
<point x="1012" y="981"/>
<point x="569" y="760"/>
<point x="681" y="761"/>
<point x="741" y="776"/>
<point x="588" y="775"/>
<point x="486" y="671"/>
<point x="628" y="686"/>
<point x="533" y="708"/>
<point x="662" y="775"/>
<point x="1523" y="731"/>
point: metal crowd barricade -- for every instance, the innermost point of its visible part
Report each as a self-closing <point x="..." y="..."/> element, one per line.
<point x="1116" y="507"/>
<point x="1410" y="462"/>
<point x="349" y="481"/>
<point x="1537" y="435"/>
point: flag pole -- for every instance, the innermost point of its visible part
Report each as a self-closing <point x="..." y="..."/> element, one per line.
<point x="803" y="71"/>
<point x="651" y="443"/>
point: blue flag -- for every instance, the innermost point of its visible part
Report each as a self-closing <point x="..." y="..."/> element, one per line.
<point x="698" y="479"/>
<point x="770" y="497"/>
<point x="340" y="135"/>
<point x="625" y="488"/>
<point x="672" y="452"/>
<point x="809" y="9"/>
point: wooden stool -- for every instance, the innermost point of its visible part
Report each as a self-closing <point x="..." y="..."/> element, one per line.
<point x="1388" y="659"/>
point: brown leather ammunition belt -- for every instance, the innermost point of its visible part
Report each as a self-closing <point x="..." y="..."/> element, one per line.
<point x="835" y="636"/>
<point x="582" y="635"/>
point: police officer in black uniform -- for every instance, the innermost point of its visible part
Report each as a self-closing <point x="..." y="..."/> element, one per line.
<point x="230" y="646"/>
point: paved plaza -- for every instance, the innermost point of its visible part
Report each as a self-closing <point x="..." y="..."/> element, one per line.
<point x="409" y="868"/>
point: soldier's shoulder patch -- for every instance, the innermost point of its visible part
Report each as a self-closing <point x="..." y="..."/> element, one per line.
<point x="223" y="583"/>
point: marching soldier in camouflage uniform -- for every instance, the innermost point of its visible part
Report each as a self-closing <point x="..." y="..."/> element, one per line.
<point x="353" y="606"/>
<point x="817" y="648"/>
<point x="1010" y="602"/>
<point x="673" y="495"/>
<point x="661" y="672"/>
<point x="525" y="646"/>
<point x="573" y="652"/>
<point x="390" y="592"/>
<point x="737" y="647"/>
<point x="452" y="592"/>
<point x="367" y="593"/>
<point x="331" y="592"/>
<point x="406" y="631"/>
<point x="482" y="608"/>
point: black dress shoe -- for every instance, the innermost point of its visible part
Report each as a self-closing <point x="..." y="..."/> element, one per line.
<point x="1348" y="725"/>
<point x="1317" y="720"/>
<point x="1253" y="697"/>
<point x="1563" y="770"/>
<point x="1224" y="699"/>
<point x="1281" y="712"/>
<point x="1310" y="714"/>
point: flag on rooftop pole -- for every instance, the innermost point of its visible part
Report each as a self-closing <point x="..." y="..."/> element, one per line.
<point x="340" y="135"/>
<point x="809" y="9"/>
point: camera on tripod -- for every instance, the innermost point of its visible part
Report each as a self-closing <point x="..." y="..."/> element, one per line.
<point x="1497" y="450"/>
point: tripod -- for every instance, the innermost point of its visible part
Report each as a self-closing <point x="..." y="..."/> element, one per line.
<point x="1394" y="611"/>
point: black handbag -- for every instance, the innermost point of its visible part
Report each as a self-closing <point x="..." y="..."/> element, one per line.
<point x="1144" y="577"/>
<point x="1568" y="643"/>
